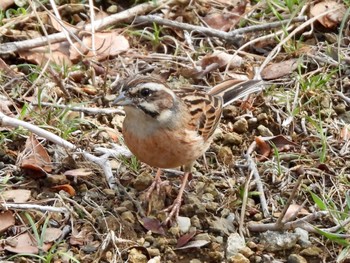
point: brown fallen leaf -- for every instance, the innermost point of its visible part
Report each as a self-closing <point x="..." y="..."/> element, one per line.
<point x="17" y="195"/>
<point x="7" y="220"/>
<point x="225" y="19"/>
<point x="65" y="187"/>
<point x="57" y="53"/>
<point x="331" y="19"/>
<point x="34" y="159"/>
<point x="153" y="224"/>
<point x="25" y="244"/>
<point x="183" y="240"/>
<point x="264" y="148"/>
<point x="4" y="4"/>
<point x="280" y="69"/>
<point x="107" y="44"/>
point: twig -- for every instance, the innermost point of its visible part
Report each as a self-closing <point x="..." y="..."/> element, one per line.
<point x="42" y="208"/>
<point x="100" y="161"/>
<point x="10" y="47"/>
<point x="231" y="36"/>
<point x="93" y="111"/>
<point x="290" y="199"/>
<point x="259" y="185"/>
<point x="302" y="223"/>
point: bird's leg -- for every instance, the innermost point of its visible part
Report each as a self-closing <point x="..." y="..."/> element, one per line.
<point x="175" y="207"/>
<point x="157" y="183"/>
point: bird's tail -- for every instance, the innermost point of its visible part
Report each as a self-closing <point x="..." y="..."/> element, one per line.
<point x="232" y="90"/>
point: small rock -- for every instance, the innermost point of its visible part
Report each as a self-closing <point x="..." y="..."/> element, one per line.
<point x="128" y="205"/>
<point x="135" y="256"/>
<point x="304" y="241"/>
<point x="225" y="212"/>
<point x="128" y="216"/>
<point x="203" y="236"/>
<point x="56" y="179"/>
<point x="238" y="258"/>
<point x="225" y="155"/>
<point x="153" y="252"/>
<point x="262" y="116"/>
<point x="109" y="192"/>
<point x="207" y="197"/>
<point x="183" y="223"/>
<point x="195" y="261"/>
<point x="265" y="132"/>
<point x="143" y="181"/>
<point x="108" y="223"/>
<point x="240" y="126"/>
<point x="218" y="135"/>
<point x="196" y="222"/>
<point x="230" y="112"/>
<point x="211" y="206"/>
<point x="340" y="108"/>
<point x="311" y="252"/>
<point x="232" y="138"/>
<point x="174" y="230"/>
<point x="276" y="241"/>
<point x="247" y="252"/>
<point x="112" y="9"/>
<point x="294" y="258"/>
<point x="253" y="123"/>
<point x="234" y="244"/>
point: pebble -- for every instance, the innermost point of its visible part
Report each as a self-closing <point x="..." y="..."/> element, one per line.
<point x="225" y="155"/>
<point x="240" y="126"/>
<point x="311" y="252"/>
<point x="184" y="223"/>
<point x="128" y="216"/>
<point x="294" y="258"/>
<point x="232" y="138"/>
<point x="238" y="258"/>
<point x="203" y="236"/>
<point x="340" y="108"/>
<point x="265" y="132"/>
<point x="234" y="244"/>
<point x="143" y="181"/>
<point x="276" y="241"/>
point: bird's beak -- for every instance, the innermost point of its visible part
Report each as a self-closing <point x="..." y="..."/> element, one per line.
<point x="122" y="100"/>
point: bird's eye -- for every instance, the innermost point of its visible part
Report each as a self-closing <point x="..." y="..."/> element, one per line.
<point x="145" y="92"/>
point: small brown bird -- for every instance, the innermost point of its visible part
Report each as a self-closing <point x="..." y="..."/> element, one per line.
<point x="167" y="128"/>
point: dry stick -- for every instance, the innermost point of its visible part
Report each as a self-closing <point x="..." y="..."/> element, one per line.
<point x="228" y="36"/>
<point x="259" y="185"/>
<point x="94" y="111"/>
<point x="10" y="47"/>
<point x="279" y="222"/>
<point x="101" y="161"/>
<point x="302" y="223"/>
<point x="244" y="204"/>
<point x="276" y="49"/>
<point x="42" y="208"/>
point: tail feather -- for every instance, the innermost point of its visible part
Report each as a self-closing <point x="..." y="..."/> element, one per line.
<point x="232" y="90"/>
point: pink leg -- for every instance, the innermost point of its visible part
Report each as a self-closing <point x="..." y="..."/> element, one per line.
<point x="175" y="207"/>
<point x="157" y="183"/>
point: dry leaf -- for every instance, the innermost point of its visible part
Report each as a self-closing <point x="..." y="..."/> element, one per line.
<point x="4" y="4"/>
<point x="6" y="220"/>
<point x="225" y="19"/>
<point x="25" y="244"/>
<point x="279" y="69"/>
<point x="59" y="54"/>
<point x="331" y="19"/>
<point x="345" y="133"/>
<point x="183" y="240"/>
<point x="153" y="224"/>
<point x="264" y="148"/>
<point x="17" y="195"/>
<point x="292" y="209"/>
<point x="107" y="44"/>
<point x="194" y="244"/>
<point x="52" y="234"/>
<point x="65" y="187"/>
<point x="222" y="59"/>
<point x="35" y="159"/>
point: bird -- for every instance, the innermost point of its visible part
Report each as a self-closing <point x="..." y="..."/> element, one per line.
<point x="167" y="128"/>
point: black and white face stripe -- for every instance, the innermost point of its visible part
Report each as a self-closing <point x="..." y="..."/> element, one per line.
<point x="155" y="99"/>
